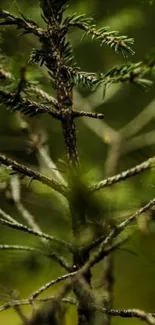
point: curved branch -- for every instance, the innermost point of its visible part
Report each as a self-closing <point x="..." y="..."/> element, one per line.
<point x="28" y="25"/>
<point x="26" y="106"/>
<point x="34" y="175"/>
<point x="123" y="176"/>
<point x="19" y="226"/>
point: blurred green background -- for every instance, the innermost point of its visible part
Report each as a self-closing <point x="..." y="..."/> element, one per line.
<point x="135" y="263"/>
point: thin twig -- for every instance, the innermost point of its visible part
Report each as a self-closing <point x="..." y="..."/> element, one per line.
<point x="76" y="114"/>
<point x="97" y="256"/>
<point x="24" y="228"/>
<point x="27" y="106"/>
<point x="26" y="24"/>
<point x="34" y="175"/>
<point x="23" y="302"/>
<point x="53" y="255"/>
<point x="31" y="88"/>
<point x="51" y="165"/>
<point x="124" y="313"/>
<point x="124" y="175"/>
<point x="50" y="284"/>
<point x="128" y="313"/>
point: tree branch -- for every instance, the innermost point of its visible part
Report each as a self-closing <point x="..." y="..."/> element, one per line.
<point x="28" y="25"/>
<point x="35" y="294"/>
<point x="118" y="43"/>
<point x="19" y="226"/>
<point x="148" y="164"/>
<point x="26" y="106"/>
<point x="34" y="175"/>
<point x="113" y="234"/>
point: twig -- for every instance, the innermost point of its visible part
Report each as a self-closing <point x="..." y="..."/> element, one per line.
<point x="128" y="313"/>
<point x="21" y="227"/>
<point x="31" y="88"/>
<point x="124" y="313"/>
<point x="33" y="174"/>
<point x="114" y="233"/>
<point x="42" y="94"/>
<point x="7" y="216"/>
<point x="28" y="25"/>
<point x="53" y="255"/>
<point x="50" y="284"/>
<point x="99" y="127"/>
<point x="23" y="302"/>
<point x="76" y="114"/>
<point x="124" y="175"/>
<point x="51" y="165"/>
<point x="27" y="106"/>
<point x="118" y="43"/>
<point x="15" y="186"/>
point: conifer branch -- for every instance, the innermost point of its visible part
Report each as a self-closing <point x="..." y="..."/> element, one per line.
<point x="124" y="313"/>
<point x="19" y="226"/>
<point x="16" y="196"/>
<point x="25" y="302"/>
<point x="118" y="43"/>
<point x="128" y="313"/>
<point x="34" y="175"/>
<point x="148" y="164"/>
<point x="29" y="88"/>
<point x="103" y="249"/>
<point x="76" y="114"/>
<point x="132" y="73"/>
<point x="46" y="286"/>
<point x="58" y="258"/>
<point x="23" y="248"/>
<point x="26" y="106"/>
<point x="42" y="94"/>
<point x="28" y="25"/>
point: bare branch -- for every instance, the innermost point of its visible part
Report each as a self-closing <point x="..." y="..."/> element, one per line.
<point x="19" y="226"/>
<point x="76" y="114"/>
<point x="124" y="313"/>
<point x="148" y="164"/>
<point x="34" y="175"/>
<point x="101" y="252"/>
<point x="55" y="256"/>
<point x="50" y="284"/>
<point x="42" y="94"/>
<point x="23" y="302"/>
<point x="128" y="313"/>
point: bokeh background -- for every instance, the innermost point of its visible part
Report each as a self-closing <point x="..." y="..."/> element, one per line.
<point x="101" y="154"/>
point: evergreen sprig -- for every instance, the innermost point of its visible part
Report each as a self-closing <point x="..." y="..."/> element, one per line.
<point x="26" y="106"/>
<point x="110" y="38"/>
<point x="131" y="72"/>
